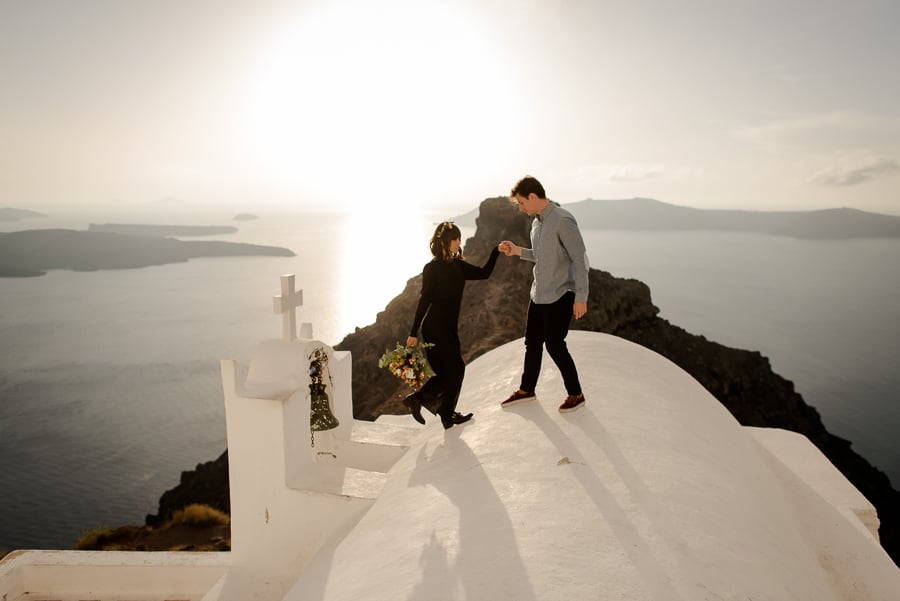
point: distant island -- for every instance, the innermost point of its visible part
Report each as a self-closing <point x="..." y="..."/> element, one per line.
<point x="647" y="214"/>
<point x="139" y="229"/>
<point x="10" y="214"/>
<point x="245" y="217"/>
<point x="31" y="252"/>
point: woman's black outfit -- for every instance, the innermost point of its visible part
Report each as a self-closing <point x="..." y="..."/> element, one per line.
<point x="439" y="304"/>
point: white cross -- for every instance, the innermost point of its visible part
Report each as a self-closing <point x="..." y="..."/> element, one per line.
<point x="285" y="304"/>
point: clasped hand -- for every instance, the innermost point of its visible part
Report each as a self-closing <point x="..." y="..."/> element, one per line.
<point x="509" y="249"/>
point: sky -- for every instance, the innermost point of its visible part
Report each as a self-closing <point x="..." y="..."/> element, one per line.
<point x="437" y="104"/>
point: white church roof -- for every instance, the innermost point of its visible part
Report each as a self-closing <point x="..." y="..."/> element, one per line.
<point x="651" y="491"/>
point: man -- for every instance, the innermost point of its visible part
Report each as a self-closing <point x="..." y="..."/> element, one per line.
<point x="559" y="290"/>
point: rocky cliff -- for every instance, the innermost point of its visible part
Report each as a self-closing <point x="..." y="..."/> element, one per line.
<point x="494" y="313"/>
<point x="207" y="485"/>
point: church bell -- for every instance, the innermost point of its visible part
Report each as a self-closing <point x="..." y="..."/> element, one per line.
<point x="320" y="416"/>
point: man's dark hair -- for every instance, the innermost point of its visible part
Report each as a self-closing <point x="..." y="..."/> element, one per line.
<point x="526" y="186"/>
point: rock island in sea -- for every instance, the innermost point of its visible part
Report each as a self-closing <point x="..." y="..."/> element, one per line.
<point x="33" y="252"/>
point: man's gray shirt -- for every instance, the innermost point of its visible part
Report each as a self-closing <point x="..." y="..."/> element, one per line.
<point x="559" y="256"/>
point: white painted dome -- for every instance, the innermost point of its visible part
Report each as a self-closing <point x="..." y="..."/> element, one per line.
<point x="651" y="491"/>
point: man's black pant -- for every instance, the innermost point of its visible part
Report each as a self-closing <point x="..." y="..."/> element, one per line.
<point x="548" y="325"/>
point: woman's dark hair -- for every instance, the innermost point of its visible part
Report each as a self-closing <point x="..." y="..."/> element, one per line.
<point x="526" y="186"/>
<point x="440" y="242"/>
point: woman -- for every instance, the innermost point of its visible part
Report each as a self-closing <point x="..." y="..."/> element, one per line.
<point x="443" y="280"/>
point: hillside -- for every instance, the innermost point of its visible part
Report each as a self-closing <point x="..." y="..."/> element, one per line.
<point x="140" y="229"/>
<point x="653" y="215"/>
<point x="11" y="214"/>
<point x="32" y="252"/>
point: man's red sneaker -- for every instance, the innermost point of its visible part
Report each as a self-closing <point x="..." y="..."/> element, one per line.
<point x="572" y="403"/>
<point x="519" y="396"/>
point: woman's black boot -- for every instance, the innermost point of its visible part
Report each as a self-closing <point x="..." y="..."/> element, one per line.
<point x="415" y="408"/>
<point x="454" y="419"/>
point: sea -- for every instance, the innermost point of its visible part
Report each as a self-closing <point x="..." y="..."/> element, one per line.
<point x="110" y="383"/>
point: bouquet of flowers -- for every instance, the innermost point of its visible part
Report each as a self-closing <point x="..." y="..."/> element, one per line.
<point x="408" y="364"/>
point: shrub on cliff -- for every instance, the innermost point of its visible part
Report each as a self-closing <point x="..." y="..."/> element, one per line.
<point x="199" y="516"/>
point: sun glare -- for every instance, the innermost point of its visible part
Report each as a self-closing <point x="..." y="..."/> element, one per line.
<point x="356" y="96"/>
<point x="379" y="254"/>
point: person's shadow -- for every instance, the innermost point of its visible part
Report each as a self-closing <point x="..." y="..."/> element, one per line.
<point x="641" y="552"/>
<point x="486" y="558"/>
